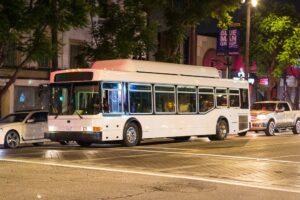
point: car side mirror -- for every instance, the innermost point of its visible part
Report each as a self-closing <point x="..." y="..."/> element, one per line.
<point x="279" y="110"/>
<point x="30" y="121"/>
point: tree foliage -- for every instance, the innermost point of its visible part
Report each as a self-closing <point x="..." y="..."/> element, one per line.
<point x="27" y="23"/>
<point x="182" y="15"/>
<point x="130" y="30"/>
<point x="274" y="40"/>
<point x="122" y="31"/>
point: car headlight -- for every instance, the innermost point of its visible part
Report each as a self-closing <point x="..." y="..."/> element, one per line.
<point x="1" y="130"/>
<point x="261" y="117"/>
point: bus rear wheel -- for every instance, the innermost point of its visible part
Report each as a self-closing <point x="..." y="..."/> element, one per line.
<point x="222" y="130"/>
<point x="84" y="144"/>
<point x="131" y="135"/>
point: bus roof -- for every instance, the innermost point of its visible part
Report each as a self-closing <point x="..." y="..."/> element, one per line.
<point x="141" y="66"/>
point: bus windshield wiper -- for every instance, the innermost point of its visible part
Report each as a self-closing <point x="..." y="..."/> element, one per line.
<point x="78" y="114"/>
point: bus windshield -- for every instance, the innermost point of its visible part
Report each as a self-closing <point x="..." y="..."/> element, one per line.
<point x="75" y="99"/>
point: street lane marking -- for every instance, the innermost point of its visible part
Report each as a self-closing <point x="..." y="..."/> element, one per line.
<point x="215" y="155"/>
<point x="138" y="149"/>
<point x="286" y="156"/>
<point x="164" y="175"/>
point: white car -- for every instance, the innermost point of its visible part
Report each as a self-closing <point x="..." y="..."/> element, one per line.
<point x="23" y="127"/>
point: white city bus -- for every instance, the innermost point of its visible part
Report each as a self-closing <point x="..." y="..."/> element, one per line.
<point x="129" y="101"/>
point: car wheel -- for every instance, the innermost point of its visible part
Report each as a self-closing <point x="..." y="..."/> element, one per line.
<point x="270" y="128"/>
<point x="242" y="133"/>
<point x="131" y="135"/>
<point x="182" y="139"/>
<point x="222" y="130"/>
<point x="38" y="144"/>
<point x="12" y="140"/>
<point x="84" y="144"/>
<point x="296" y="128"/>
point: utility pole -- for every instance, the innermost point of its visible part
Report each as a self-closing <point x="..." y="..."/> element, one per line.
<point x="248" y="18"/>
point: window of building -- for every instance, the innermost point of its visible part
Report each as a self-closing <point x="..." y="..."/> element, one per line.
<point x="206" y="99"/>
<point x="10" y="58"/>
<point x="186" y="96"/>
<point x="140" y="98"/>
<point x="164" y="99"/>
<point x="234" y="98"/>
<point x="221" y="95"/>
<point x="77" y="59"/>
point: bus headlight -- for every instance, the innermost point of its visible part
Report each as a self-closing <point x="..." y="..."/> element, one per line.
<point x="51" y="128"/>
<point x="1" y="130"/>
<point x="261" y="117"/>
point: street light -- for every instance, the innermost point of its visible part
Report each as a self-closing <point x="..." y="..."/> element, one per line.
<point x="248" y="22"/>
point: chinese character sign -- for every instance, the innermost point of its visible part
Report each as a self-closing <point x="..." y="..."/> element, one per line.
<point x="228" y="41"/>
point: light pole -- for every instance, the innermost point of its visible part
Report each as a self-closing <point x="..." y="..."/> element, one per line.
<point x="248" y="26"/>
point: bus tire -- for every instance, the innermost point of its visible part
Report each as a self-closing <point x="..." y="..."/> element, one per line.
<point x="12" y="140"/>
<point x="296" y="128"/>
<point x="131" y="135"/>
<point x="270" y="130"/>
<point x="242" y="133"/>
<point x="222" y="130"/>
<point x="84" y="144"/>
<point x="182" y="139"/>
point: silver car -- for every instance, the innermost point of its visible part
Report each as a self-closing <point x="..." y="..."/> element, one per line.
<point x="23" y="127"/>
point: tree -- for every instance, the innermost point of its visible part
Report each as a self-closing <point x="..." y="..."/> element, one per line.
<point x="128" y="30"/>
<point x="183" y="15"/>
<point x="26" y="24"/>
<point x="122" y="31"/>
<point x="290" y="57"/>
<point x="60" y="16"/>
<point x="272" y="26"/>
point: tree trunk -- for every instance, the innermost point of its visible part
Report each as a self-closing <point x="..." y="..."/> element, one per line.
<point x="54" y="40"/>
<point x="192" y="46"/>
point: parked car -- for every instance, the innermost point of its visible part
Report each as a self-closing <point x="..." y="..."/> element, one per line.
<point x="23" y="127"/>
<point x="269" y="116"/>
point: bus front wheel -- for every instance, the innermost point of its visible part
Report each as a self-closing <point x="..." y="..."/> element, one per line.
<point x="222" y="130"/>
<point x="131" y="135"/>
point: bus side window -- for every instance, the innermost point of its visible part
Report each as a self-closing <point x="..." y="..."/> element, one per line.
<point x="111" y="97"/>
<point x="206" y="99"/>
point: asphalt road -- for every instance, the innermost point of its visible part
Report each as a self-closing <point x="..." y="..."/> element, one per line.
<point x="250" y="167"/>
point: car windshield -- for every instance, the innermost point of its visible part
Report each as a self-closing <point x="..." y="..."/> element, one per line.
<point x="264" y="106"/>
<point x="75" y="99"/>
<point x="16" y="117"/>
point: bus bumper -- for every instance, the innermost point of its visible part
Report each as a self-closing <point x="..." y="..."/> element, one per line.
<point x="85" y="136"/>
